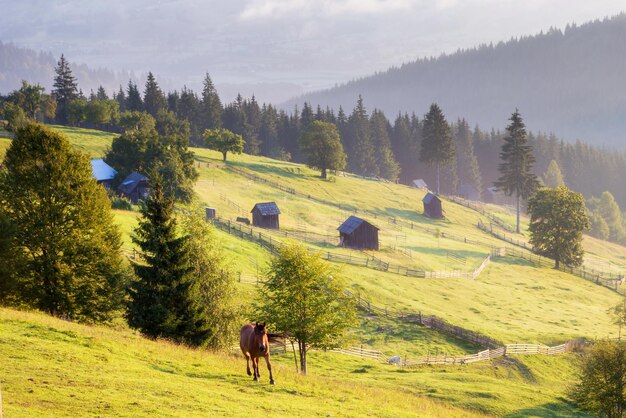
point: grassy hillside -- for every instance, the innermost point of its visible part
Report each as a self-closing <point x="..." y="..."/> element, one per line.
<point x="55" y="368"/>
<point x="511" y="300"/>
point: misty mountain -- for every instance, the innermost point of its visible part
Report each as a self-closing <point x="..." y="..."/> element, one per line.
<point x="571" y="82"/>
<point x="17" y="64"/>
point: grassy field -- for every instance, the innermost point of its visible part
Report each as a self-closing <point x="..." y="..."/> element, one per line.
<point x="56" y="368"/>
<point x="512" y="300"/>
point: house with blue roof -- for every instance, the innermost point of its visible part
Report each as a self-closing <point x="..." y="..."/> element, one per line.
<point x="102" y="172"/>
<point x="135" y="187"/>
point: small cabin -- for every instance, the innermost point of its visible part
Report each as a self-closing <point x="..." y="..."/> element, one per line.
<point x="135" y="187"/>
<point x="432" y="206"/>
<point x="210" y="213"/>
<point x="358" y="234"/>
<point x="102" y="172"/>
<point x="420" y="184"/>
<point x="469" y="192"/>
<point x="265" y="215"/>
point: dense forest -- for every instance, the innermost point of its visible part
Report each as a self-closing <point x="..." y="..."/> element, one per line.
<point x="568" y="81"/>
<point x="377" y="145"/>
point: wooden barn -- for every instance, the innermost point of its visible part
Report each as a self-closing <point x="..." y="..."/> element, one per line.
<point x="358" y="234"/>
<point x="432" y="206"/>
<point x="135" y="187"/>
<point x="265" y="215"/>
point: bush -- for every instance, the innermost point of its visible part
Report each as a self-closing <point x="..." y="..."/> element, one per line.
<point x="121" y="203"/>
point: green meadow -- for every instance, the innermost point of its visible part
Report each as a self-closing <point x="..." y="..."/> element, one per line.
<point x="52" y="362"/>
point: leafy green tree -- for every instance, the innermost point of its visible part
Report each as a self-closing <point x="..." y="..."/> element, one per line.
<point x="65" y="88"/>
<point x="12" y="257"/>
<point x="224" y="141"/>
<point x="558" y="218"/>
<point x="165" y="299"/>
<point x="553" y="176"/>
<point x="599" y="227"/>
<point x="302" y="298"/>
<point x="153" y="98"/>
<point x="618" y="314"/>
<point x="321" y="144"/>
<point x="437" y="145"/>
<point x="517" y="164"/>
<point x="76" y="112"/>
<point x="602" y="380"/>
<point x="63" y="220"/>
<point x="214" y="281"/>
<point x="388" y="168"/>
<point x="101" y="111"/>
<point x="29" y="97"/>
<point x="14" y="115"/>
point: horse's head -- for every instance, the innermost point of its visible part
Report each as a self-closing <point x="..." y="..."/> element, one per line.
<point x="260" y="337"/>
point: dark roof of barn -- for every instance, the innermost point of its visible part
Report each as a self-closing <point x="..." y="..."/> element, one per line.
<point x="131" y="182"/>
<point x="429" y="198"/>
<point x="267" y="208"/>
<point x="353" y="223"/>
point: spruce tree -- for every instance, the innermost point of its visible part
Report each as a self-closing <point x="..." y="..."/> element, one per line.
<point x="133" y="98"/>
<point x="65" y="88"/>
<point x="553" y="177"/>
<point x="388" y="168"/>
<point x="63" y="221"/>
<point x="164" y="302"/>
<point x="467" y="163"/>
<point x="211" y="106"/>
<point x="361" y="155"/>
<point x="405" y="148"/>
<point x="516" y="168"/>
<point x="437" y="146"/>
<point x="153" y="97"/>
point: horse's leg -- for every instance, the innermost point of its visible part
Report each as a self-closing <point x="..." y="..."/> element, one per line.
<point x="248" y="364"/>
<point x="255" y="367"/>
<point x="258" y="369"/>
<point x="269" y="367"/>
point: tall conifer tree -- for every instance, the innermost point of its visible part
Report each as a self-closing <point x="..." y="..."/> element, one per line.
<point x="388" y="168"/>
<point x="153" y="97"/>
<point x="437" y="146"/>
<point x="211" y="106"/>
<point x="467" y="164"/>
<point x="65" y="88"/>
<point x="516" y="168"/>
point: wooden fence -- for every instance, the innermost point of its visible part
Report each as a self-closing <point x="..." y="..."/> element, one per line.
<point x="479" y="207"/>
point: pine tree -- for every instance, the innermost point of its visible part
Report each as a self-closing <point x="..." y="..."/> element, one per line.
<point x="405" y="148"/>
<point x="437" y="146"/>
<point x="153" y="97"/>
<point x="63" y="220"/>
<point x="361" y="155"/>
<point x="388" y="168"/>
<point x="164" y="302"/>
<point x="65" y="88"/>
<point x="467" y="163"/>
<point x="516" y="168"/>
<point x="252" y="126"/>
<point x="120" y="97"/>
<point x="133" y="98"/>
<point x="211" y="106"/>
<point x="610" y="211"/>
<point x="268" y="133"/>
<point x="553" y="177"/>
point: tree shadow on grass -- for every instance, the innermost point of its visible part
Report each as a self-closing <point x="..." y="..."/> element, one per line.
<point x="561" y="408"/>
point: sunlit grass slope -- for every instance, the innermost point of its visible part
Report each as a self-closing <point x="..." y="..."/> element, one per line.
<point x="52" y="368"/>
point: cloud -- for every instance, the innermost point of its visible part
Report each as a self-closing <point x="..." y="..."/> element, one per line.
<point x="277" y="9"/>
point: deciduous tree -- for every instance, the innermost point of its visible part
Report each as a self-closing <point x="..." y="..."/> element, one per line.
<point x="321" y="144"/>
<point x="224" y="141"/>
<point x="558" y="218"/>
<point x="303" y="298"/>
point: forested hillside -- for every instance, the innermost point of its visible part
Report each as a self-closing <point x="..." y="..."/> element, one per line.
<point x="17" y="64"/>
<point x="565" y="81"/>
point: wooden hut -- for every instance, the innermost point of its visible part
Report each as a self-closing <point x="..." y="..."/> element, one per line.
<point x="358" y="234"/>
<point x="265" y="215"/>
<point x="432" y="206"/>
<point x="135" y="187"/>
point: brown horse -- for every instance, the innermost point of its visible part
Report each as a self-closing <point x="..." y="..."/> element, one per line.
<point x="254" y="344"/>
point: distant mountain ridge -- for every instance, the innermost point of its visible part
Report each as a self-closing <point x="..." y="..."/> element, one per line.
<point x="571" y="82"/>
<point x="17" y="64"/>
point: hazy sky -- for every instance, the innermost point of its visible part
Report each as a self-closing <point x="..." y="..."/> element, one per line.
<point x="276" y="47"/>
